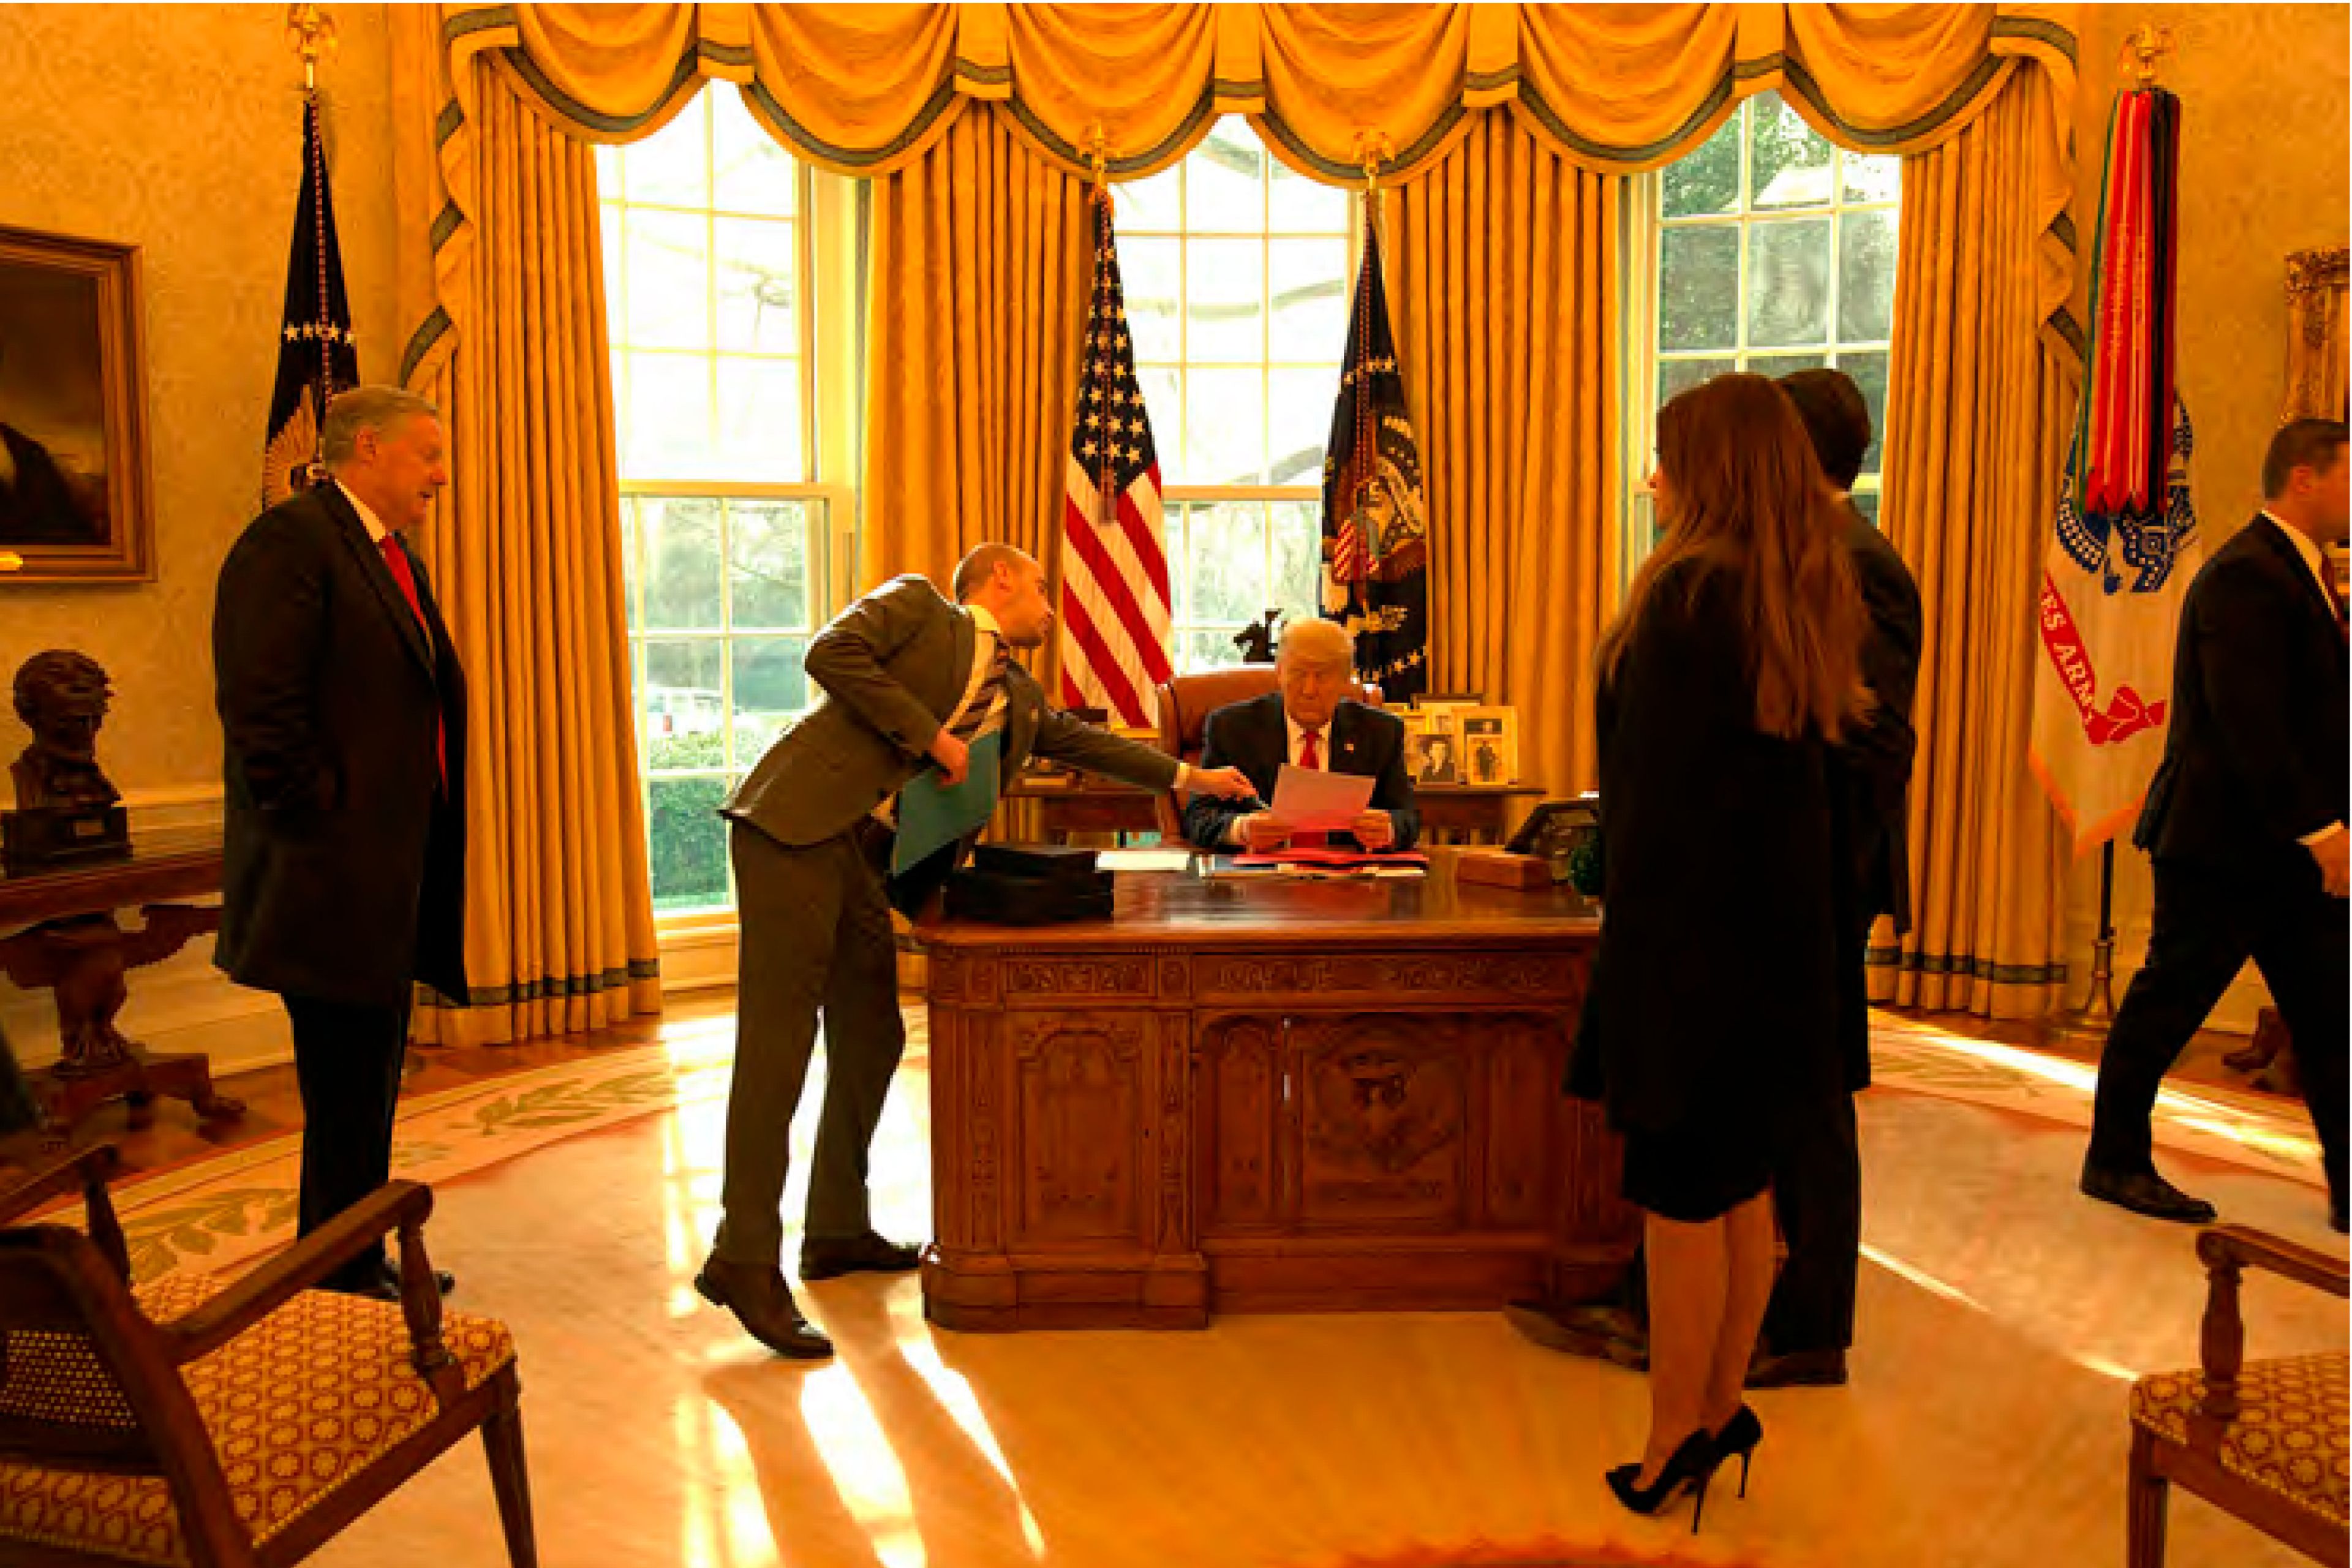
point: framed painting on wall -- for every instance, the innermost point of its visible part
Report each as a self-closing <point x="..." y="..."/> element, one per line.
<point x="74" y="500"/>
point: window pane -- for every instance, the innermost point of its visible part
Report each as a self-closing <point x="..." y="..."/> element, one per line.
<point x="1228" y="551"/>
<point x="1225" y="427"/>
<point x="680" y="562"/>
<point x="1791" y="162"/>
<point x="1225" y="191"/>
<point x="1297" y="204"/>
<point x="1679" y="376"/>
<point x="1698" y="288"/>
<point x="668" y="426"/>
<point x="1223" y="300"/>
<point x="1866" y="276"/>
<point x="1871" y="179"/>
<point x="683" y="708"/>
<point x="1151" y="272"/>
<point x="755" y="174"/>
<point x="1299" y="417"/>
<point x="1154" y="204"/>
<point x="671" y="167"/>
<point x="608" y="172"/>
<point x="1163" y="400"/>
<point x="1866" y="503"/>
<point x="756" y="285"/>
<point x="1869" y="372"/>
<point x="668" y="260"/>
<point x="630" y="570"/>
<point x="616" y="305"/>
<point x="768" y="571"/>
<point x="1209" y="649"/>
<point x="1706" y="180"/>
<point x="687" y="839"/>
<point x="1297" y="527"/>
<point x="1176" y="540"/>
<point x="770" y="691"/>
<point x="1309" y="285"/>
<point x="759" y="427"/>
<point x="1789" y="282"/>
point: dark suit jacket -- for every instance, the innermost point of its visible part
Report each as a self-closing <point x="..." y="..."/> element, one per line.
<point x="892" y="669"/>
<point x="1714" y="995"/>
<point x="344" y="869"/>
<point x="1254" y="737"/>
<point x="2255" y="756"/>
<point x="1875" y="757"/>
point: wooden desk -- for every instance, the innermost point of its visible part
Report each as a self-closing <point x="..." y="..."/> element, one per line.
<point x="71" y="945"/>
<point x="1458" y="814"/>
<point x="1253" y="1095"/>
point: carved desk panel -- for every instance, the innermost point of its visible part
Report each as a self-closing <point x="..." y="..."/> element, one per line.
<point x="1264" y="1095"/>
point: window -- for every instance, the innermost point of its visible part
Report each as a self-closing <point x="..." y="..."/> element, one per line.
<point x="724" y="534"/>
<point x="1774" y="251"/>
<point x="1238" y="274"/>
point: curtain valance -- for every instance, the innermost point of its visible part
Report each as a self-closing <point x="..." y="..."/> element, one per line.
<point x="862" y="90"/>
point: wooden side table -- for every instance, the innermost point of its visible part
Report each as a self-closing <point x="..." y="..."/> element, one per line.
<point x="1468" y="814"/>
<point x="67" y="940"/>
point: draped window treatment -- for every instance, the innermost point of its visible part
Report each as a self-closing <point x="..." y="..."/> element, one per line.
<point x="525" y="548"/>
<point x="1504" y="133"/>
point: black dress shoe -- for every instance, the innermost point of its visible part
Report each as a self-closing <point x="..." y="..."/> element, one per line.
<point x="867" y="1254"/>
<point x="383" y="1282"/>
<point x="2145" y="1192"/>
<point x="1595" y="1332"/>
<point x="441" y="1276"/>
<point x="1799" y="1369"/>
<point x="756" y="1294"/>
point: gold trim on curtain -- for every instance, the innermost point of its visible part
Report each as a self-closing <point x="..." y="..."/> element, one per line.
<point x="526" y="555"/>
<point x="1980" y="407"/>
<point x="1506" y="306"/>
<point x="980" y="287"/>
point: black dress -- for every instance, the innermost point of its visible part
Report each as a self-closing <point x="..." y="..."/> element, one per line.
<point x="1711" y="1030"/>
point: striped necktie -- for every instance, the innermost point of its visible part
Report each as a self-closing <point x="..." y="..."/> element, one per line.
<point x="985" y="712"/>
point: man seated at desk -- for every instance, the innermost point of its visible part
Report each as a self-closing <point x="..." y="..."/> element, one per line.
<point x="1309" y="723"/>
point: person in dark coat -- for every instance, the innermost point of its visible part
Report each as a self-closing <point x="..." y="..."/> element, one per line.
<point x="1712" y="1029"/>
<point x="2244" y="824"/>
<point x="343" y="709"/>
<point x="1306" y="723"/>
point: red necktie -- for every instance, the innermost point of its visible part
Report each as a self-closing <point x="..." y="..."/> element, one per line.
<point x="397" y="559"/>
<point x="1309" y="756"/>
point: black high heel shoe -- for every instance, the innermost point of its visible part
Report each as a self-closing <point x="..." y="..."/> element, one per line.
<point x="1694" y="1463"/>
<point x="1739" y="1435"/>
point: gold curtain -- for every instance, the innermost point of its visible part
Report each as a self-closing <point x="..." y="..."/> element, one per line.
<point x="1981" y="404"/>
<point x="1507" y="310"/>
<point x="979" y="292"/>
<point x="525" y="550"/>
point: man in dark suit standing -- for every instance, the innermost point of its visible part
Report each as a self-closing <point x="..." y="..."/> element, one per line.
<point x="1308" y="723"/>
<point x="2244" y="824"/>
<point x="908" y="682"/>
<point x="343" y="708"/>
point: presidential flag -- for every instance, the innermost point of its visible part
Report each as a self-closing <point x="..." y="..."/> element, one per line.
<point x="1375" y="523"/>
<point x="1115" y="618"/>
<point x="316" y="355"/>
<point x="2125" y="542"/>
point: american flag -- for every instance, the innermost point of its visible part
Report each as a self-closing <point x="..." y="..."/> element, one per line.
<point x="1114" y="597"/>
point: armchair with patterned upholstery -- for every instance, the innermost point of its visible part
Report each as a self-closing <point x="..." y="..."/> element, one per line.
<point x="2264" y="1441"/>
<point x="229" y="1426"/>
<point x="1185" y="703"/>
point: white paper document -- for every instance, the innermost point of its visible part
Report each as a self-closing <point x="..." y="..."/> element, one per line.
<point x="1309" y="800"/>
<point x="1144" y="860"/>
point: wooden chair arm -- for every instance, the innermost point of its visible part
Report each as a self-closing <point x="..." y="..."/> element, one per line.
<point x="88" y="1172"/>
<point x="396" y="1206"/>
<point x="2227" y="1251"/>
<point x="2245" y="1246"/>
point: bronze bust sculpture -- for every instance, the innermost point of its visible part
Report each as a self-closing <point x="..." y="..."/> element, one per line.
<point x="62" y="697"/>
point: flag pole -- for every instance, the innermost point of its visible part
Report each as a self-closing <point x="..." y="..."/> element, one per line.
<point x="2142" y="50"/>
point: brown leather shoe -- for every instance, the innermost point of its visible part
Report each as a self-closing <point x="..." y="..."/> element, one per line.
<point x="1799" y="1369"/>
<point x="756" y="1294"/>
<point x="829" y="1259"/>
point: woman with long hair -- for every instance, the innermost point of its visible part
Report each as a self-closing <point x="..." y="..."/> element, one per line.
<point x="1711" y="1029"/>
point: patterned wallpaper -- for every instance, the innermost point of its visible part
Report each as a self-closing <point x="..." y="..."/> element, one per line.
<point x="2266" y="111"/>
<point x="178" y="128"/>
